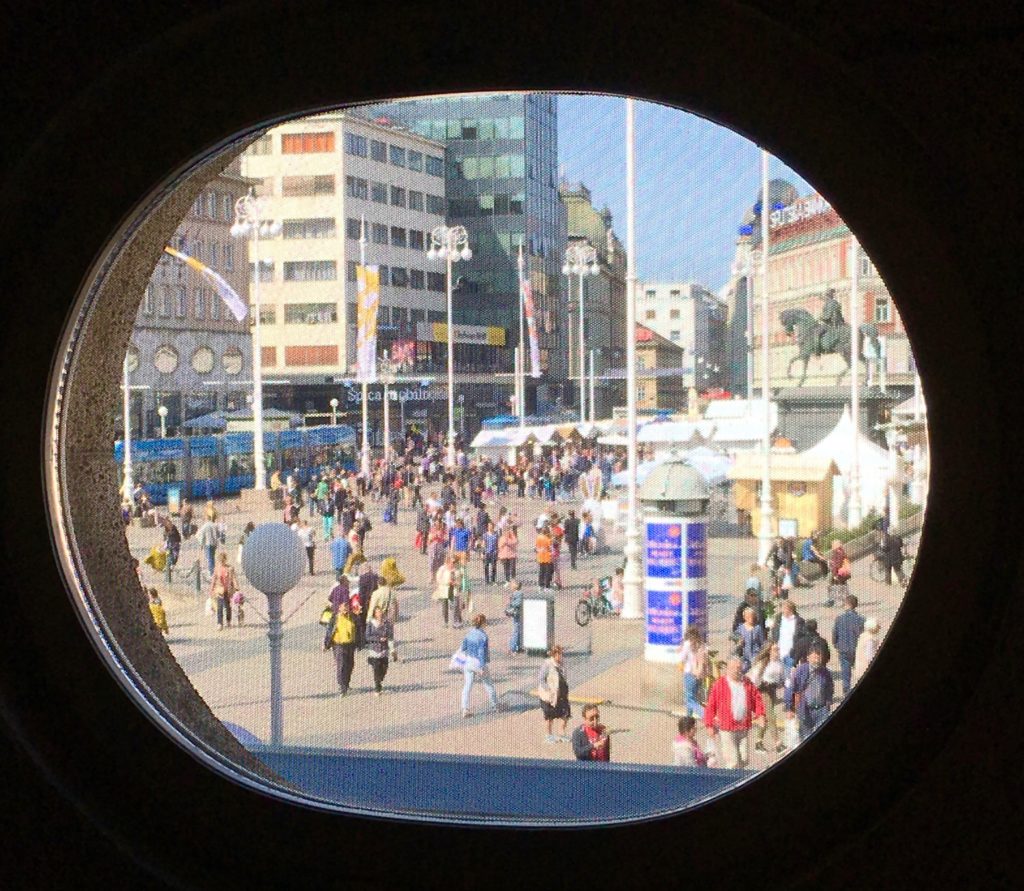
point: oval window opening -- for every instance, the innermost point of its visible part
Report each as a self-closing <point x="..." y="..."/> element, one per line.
<point x="433" y="521"/>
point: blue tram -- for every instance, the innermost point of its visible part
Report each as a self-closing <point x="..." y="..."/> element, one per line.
<point x="203" y="467"/>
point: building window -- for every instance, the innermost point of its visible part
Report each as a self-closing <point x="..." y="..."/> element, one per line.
<point x="883" y="309"/>
<point x="356" y="187"/>
<point x="266" y="271"/>
<point x="651" y="314"/>
<point x="866" y="267"/>
<point x="379" y="192"/>
<point x="214" y="307"/>
<point x="650" y="295"/>
<point x="165" y="359"/>
<point x="515" y="205"/>
<point x="232" y="360"/>
<point x="227" y="208"/>
<point x="415" y="200"/>
<point x="202" y="360"/>
<point x="417" y="279"/>
<point x="673" y="313"/>
<point x="179" y="303"/>
<point x="213" y="255"/>
<point x="435" y="315"/>
<point x="415" y="160"/>
<point x="397" y="196"/>
<point x="299" y="186"/>
<point x="398" y="236"/>
<point x="147" y="300"/>
<point x="399" y="277"/>
<point x="211" y="205"/>
<point x="434" y="165"/>
<point x="199" y="303"/>
<point x="306" y="143"/>
<point x="378" y="150"/>
<point x="268" y="314"/>
<point x="417" y="315"/>
<point x="674" y="335"/>
<point x="350" y="271"/>
<point x="353" y="228"/>
<point x="396" y="155"/>
<point x="380" y="233"/>
<point x="229" y="257"/>
<point x="351" y="309"/>
<point x="416" y="239"/>
<point x="355" y="144"/>
<point x="312" y="227"/>
<point x="262" y="146"/>
<point x="310" y="313"/>
<point x="435" y="281"/>
<point x="435" y="205"/>
<point x="384" y="278"/>
<point x="310" y="271"/>
<point x="165" y="301"/>
<point x="674" y="293"/>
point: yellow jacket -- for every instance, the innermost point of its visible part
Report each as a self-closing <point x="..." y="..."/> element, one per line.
<point x="344" y="630"/>
<point x="159" y="616"/>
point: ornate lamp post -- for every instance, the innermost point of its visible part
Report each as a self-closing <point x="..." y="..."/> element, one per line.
<point x="450" y="243"/>
<point x="334" y="411"/>
<point x="581" y="260"/>
<point x="251" y="222"/>
<point x="162" y="411"/>
<point x="273" y="559"/>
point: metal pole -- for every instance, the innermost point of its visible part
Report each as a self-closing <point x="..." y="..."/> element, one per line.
<point x="854" y="511"/>
<point x="275" y="634"/>
<point x="258" y="459"/>
<point x="593" y="412"/>
<point x="748" y="282"/>
<point x="633" y="607"/>
<point x="522" y="345"/>
<point x="365" y="457"/>
<point x="765" y="535"/>
<point x="451" y="358"/>
<point x="582" y="353"/>
<point x="129" y="477"/>
<point x="387" y="422"/>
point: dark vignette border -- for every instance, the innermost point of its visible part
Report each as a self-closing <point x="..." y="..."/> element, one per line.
<point x="893" y="191"/>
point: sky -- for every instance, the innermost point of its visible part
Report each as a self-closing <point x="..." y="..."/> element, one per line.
<point x="694" y="182"/>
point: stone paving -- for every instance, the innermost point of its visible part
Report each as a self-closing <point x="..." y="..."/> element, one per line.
<point x="419" y="710"/>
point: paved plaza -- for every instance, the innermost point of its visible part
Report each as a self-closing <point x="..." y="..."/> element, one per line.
<point x="419" y="711"/>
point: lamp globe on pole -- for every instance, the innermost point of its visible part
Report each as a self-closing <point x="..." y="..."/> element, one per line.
<point x="273" y="559"/>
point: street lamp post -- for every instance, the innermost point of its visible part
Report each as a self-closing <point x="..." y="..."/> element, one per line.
<point x="581" y="260"/>
<point x="162" y="411"/>
<point x="129" y="477"/>
<point x="334" y="411"/>
<point x="450" y="243"/>
<point x="765" y="532"/>
<point x="273" y="559"/>
<point x="854" y="510"/>
<point x="632" y="578"/>
<point x="251" y="221"/>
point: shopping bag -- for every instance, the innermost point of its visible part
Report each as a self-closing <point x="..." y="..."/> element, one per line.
<point x="791" y="733"/>
<point x="325" y="615"/>
<point x="461" y="661"/>
<point x="210" y="608"/>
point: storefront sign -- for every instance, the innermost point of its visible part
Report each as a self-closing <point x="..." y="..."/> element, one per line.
<point x="437" y="332"/>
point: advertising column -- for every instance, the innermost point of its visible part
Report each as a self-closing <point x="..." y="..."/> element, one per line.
<point x="675" y="578"/>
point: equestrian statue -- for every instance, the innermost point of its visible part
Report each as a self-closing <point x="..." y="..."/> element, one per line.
<point x="819" y="337"/>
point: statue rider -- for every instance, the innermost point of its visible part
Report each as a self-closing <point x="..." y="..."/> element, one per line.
<point x="831" y="321"/>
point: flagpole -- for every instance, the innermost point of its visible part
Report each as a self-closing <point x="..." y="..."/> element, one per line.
<point x="521" y="407"/>
<point x="632" y="607"/>
<point x="765" y="532"/>
<point x="365" y="458"/>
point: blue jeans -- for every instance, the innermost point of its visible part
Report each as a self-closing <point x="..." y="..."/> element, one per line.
<point x="484" y="677"/>
<point x="515" y="642"/>
<point x="691" y="684"/>
<point x="211" y="553"/>
<point x="846" y="669"/>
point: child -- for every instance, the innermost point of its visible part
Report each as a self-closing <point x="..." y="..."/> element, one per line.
<point x="618" y="590"/>
<point x="156" y="608"/>
<point x="238" y="599"/>
<point x="685" y="751"/>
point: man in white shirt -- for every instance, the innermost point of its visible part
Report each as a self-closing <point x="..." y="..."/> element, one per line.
<point x="788" y="627"/>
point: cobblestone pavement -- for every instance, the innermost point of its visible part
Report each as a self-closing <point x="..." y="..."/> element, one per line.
<point x="419" y="710"/>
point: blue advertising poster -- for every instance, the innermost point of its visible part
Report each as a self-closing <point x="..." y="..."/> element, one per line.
<point x="665" y="618"/>
<point x="696" y="550"/>
<point x="664" y="551"/>
<point x="697" y="611"/>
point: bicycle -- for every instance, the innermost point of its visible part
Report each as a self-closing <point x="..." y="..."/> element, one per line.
<point x="880" y="568"/>
<point x="590" y="606"/>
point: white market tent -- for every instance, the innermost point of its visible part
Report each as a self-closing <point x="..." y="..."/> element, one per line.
<point x="712" y="465"/>
<point x="872" y="459"/>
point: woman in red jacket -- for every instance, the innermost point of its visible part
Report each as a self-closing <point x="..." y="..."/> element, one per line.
<point x="734" y="703"/>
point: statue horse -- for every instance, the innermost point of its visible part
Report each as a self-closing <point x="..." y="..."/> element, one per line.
<point x="807" y="330"/>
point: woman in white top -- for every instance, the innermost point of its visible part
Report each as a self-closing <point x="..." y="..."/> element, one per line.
<point x="769" y="676"/>
<point x="867" y="646"/>
<point x="694" y="665"/>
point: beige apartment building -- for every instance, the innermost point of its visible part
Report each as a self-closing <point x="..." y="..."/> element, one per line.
<point x="328" y="179"/>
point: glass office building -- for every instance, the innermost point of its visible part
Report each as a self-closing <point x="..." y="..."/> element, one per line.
<point x="501" y="184"/>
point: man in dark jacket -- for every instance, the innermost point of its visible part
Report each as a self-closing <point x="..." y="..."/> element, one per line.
<point x="809" y="692"/>
<point x="590" y="741"/>
<point x="845" y="634"/>
<point x="809" y="639"/>
<point x="571" y="529"/>
<point x="751" y="601"/>
<point x="890" y="549"/>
